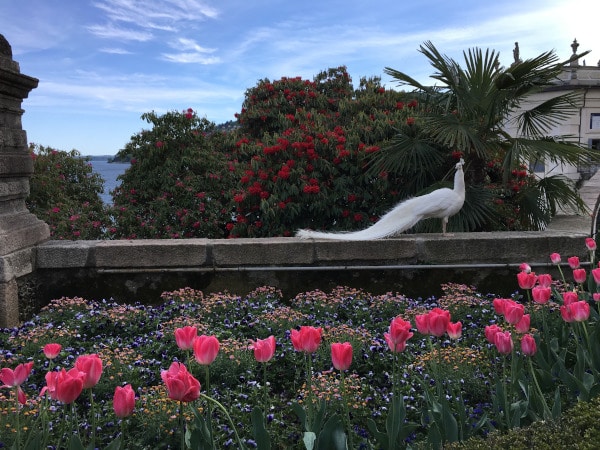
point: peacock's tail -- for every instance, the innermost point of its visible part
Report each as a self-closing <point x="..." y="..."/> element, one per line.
<point x="399" y="219"/>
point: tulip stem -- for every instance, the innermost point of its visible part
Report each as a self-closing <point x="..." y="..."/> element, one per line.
<point x="310" y="391"/>
<point x="346" y="409"/>
<point x="547" y="413"/>
<point x="265" y="393"/>
<point x="222" y="408"/>
<point x="181" y="425"/>
<point x="93" y="413"/>
<point x="208" y="406"/>
<point x="18" y="420"/>
<point x="506" y="387"/>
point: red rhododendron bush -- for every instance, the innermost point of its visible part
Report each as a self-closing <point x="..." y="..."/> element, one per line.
<point x="300" y="158"/>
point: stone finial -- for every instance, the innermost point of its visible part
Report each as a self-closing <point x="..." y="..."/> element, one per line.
<point x="575" y="46"/>
<point x="5" y="48"/>
<point x="516" y="54"/>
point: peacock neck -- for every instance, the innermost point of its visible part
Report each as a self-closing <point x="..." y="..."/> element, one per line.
<point x="459" y="182"/>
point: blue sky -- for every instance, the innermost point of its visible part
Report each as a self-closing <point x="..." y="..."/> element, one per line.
<point x="103" y="63"/>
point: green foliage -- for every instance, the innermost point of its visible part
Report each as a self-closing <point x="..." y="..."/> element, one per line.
<point x="574" y="430"/>
<point x="178" y="175"/>
<point x="469" y="113"/>
<point x="65" y="193"/>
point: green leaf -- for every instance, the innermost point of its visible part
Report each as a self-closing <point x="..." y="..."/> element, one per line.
<point x="75" y="443"/>
<point x="259" y="432"/>
<point x="300" y="413"/>
<point x="114" y="445"/>
<point x="556" y="407"/>
<point x="309" y="440"/>
<point x="332" y="436"/>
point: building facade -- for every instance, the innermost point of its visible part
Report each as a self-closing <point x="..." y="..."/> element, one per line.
<point x="583" y="127"/>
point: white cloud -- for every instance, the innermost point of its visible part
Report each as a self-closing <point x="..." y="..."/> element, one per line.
<point x="156" y="14"/>
<point x="115" y="51"/>
<point x="110" y="31"/>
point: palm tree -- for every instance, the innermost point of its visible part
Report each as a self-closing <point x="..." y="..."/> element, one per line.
<point x="468" y="115"/>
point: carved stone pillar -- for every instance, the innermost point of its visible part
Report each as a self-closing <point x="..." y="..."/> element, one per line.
<point x="20" y="230"/>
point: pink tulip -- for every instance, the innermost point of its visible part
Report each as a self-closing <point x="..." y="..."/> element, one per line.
<point x="422" y="323"/>
<point x="596" y="296"/>
<point x="50" y="385"/>
<point x="307" y="339"/>
<point x="181" y="385"/>
<point x="504" y="343"/>
<point x="545" y="280"/>
<point x="51" y="351"/>
<point x="596" y="275"/>
<point x="397" y="335"/>
<point x="499" y="305"/>
<point x="91" y="365"/>
<point x="68" y="385"/>
<point x="17" y="377"/>
<point x="513" y="312"/>
<point x="579" y="275"/>
<point x="569" y="297"/>
<point x="581" y="311"/>
<point x="491" y="331"/>
<point x="575" y="312"/>
<point x="522" y="326"/>
<point x="541" y="294"/>
<point x="438" y="321"/>
<point x="524" y="267"/>
<point x="184" y="337"/>
<point x="590" y="244"/>
<point x="341" y="355"/>
<point x="573" y="262"/>
<point x="526" y="280"/>
<point x="528" y="345"/>
<point x="264" y="349"/>
<point x="206" y="349"/>
<point x="123" y="401"/>
<point x="454" y="330"/>
<point x="555" y="258"/>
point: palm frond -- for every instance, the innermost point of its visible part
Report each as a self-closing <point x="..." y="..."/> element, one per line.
<point x="559" y="192"/>
<point x="555" y="150"/>
<point x="450" y="132"/>
<point x="410" y="157"/>
<point x="538" y="120"/>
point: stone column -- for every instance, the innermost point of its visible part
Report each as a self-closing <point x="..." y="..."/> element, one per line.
<point x="20" y="230"/>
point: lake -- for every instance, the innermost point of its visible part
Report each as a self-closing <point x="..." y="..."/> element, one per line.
<point x="109" y="172"/>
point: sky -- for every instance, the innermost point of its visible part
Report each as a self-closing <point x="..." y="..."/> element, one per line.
<point x="101" y="64"/>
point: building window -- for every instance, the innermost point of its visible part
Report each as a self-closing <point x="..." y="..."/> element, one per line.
<point x="595" y="122"/>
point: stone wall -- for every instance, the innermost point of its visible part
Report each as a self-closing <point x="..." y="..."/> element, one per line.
<point x="19" y="229"/>
<point x="414" y="265"/>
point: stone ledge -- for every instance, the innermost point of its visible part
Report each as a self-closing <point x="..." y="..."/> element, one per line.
<point x="212" y="254"/>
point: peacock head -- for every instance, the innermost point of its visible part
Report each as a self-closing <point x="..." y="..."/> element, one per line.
<point x="459" y="164"/>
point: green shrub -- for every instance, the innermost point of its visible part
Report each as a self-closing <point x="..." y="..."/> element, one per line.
<point x="65" y="193"/>
<point x="176" y="183"/>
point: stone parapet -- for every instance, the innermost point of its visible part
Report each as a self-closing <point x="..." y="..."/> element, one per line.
<point x="463" y="249"/>
<point x="413" y="264"/>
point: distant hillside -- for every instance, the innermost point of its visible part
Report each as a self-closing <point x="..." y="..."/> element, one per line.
<point x="230" y="125"/>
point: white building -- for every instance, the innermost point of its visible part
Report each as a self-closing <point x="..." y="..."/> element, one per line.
<point x="583" y="127"/>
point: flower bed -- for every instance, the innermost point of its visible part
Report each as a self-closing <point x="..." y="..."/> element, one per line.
<point x="320" y="370"/>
